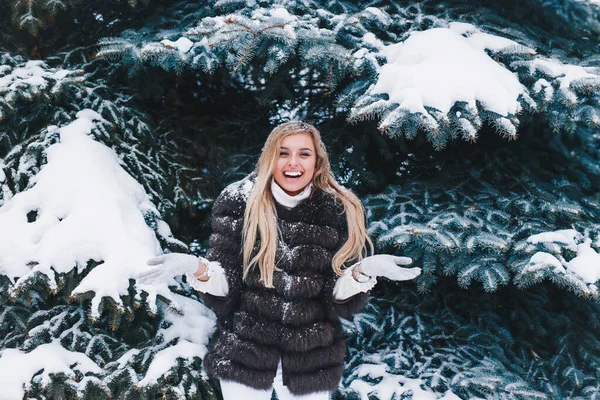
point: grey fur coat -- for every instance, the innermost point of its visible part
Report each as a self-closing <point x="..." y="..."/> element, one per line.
<point x="297" y="321"/>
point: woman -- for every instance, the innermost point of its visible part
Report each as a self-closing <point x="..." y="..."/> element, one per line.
<point x="277" y="272"/>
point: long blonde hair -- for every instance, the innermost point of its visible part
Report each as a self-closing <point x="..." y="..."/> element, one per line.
<point x="261" y="215"/>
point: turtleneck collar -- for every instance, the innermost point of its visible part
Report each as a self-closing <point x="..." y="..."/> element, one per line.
<point x="285" y="199"/>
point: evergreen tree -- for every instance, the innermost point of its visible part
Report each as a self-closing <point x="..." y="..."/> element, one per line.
<point x="470" y="132"/>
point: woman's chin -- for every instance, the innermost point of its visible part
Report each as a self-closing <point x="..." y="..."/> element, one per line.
<point x="293" y="189"/>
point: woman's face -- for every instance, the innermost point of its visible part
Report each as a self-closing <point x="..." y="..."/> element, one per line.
<point x="296" y="155"/>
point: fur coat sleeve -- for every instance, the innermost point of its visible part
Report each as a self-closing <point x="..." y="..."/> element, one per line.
<point x="354" y="304"/>
<point x="225" y="247"/>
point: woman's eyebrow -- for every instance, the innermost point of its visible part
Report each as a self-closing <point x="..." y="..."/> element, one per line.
<point x="304" y="148"/>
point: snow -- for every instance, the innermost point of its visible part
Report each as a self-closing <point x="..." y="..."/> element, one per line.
<point x="372" y="40"/>
<point x="163" y="229"/>
<point x="542" y="84"/>
<point x="261" y="18"/>
<point x="194" y="330"/>
<point x="541" y="260"/>
<point x="243" y="187"/>
<point x="383" y="17"/>
<point x="182" y="44"/>
<point x="360" y="52"/>
<point x="19" y="367"/>
<point x="564" y="73"/>
<point x="127" y="357"/>
<point x="88" y="208"/>
<point x="482" y="40"/>
<point x="165" y="359"/>
<point x="196" y="325"/>
<point x="392" y="386"/>
<point x="566" y="237"/>
<point x="586" y="264"/>
<point x="34" y="73"/>
<point x="439" y="67"/>
<point x="281" y="12"/>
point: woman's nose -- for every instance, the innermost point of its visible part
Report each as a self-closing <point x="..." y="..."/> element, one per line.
<point x="293" y="160"/>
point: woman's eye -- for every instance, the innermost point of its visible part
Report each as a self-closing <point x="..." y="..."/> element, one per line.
<point x="305" y="154"/>
<point x="283" y="153"/>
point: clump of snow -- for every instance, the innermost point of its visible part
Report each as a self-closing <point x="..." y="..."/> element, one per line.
<point x="194" y="330"/>
<point x="565" y="237"/>
<point x="182" y="44"/>
<point x="243" y="187"/>
<point x="127" y="357"/>
<point x="486" y="41"/>
<point x="261" y="20"/>
<point x="281" y="12"/>
<point x="19" y="367"/>
<point x="542" y="260"/>
<point x="165" y="359"/>
<point x="543" y="85"/>
<point x="360" y="52"/>
<point x="196" y="325"/>
<point x="383" y="17"/>
<point x="565" y="74"/>
<point x="372" y="40"/>
<point x="586" y="264"/>
<point x="86" y="207"/>
<point x="33" y="73"/>
<point x="439" y="67"/>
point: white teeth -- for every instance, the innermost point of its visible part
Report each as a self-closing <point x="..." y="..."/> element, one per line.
<point x="292" y="174"/>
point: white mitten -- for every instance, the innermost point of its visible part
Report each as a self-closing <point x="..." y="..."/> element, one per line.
<point x="166" y="266"/>
<point x="389" y="266"/>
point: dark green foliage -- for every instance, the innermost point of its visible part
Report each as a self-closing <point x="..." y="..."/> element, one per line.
<point x="13" y="323"/>
<point x="123" y="128"/>
<point x="25" y="328"/>
<point x="344" y="55"/>
<point x="475" y="221"/>
<point x="539" y="343"/>
<point x="38" y="94"/>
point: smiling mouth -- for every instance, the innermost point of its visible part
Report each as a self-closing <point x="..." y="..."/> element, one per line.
<point x="293" y="175"/>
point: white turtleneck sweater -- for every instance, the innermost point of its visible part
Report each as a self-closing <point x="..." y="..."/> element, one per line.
<point x="345" y="287"/>
<point x="285" y="199"/>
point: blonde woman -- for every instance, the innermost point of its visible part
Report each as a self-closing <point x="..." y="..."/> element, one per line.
<point x="286" y="260"/>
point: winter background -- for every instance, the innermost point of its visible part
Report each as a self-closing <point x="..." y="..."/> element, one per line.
<point x="470" y="131"/>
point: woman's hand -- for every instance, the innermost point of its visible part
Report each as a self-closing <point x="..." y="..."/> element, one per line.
<point x="169" y="265"/>
<point x="391" y="267"/>
<point x="202" y="273"/>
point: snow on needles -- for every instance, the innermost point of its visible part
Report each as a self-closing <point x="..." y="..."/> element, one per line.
<point x="88" y="208"/>
<point x="439" y="67"/>
<point x="389" y="386"/>
<point x="194" y="331"/>
<point x="33" y="73"/>
<point x="19" y="367"/>
<point x="586" y="264"/>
